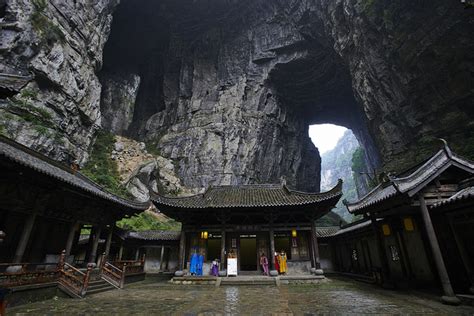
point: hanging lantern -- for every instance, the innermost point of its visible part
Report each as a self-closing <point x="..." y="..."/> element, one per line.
<point x="293" y="233"/>
<point x="204" y="235"/>
<point x="386" y="230"/>
<point x="408" y="223"/>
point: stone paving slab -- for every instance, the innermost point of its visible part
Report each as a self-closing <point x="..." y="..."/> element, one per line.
<point x="332" y="297"/>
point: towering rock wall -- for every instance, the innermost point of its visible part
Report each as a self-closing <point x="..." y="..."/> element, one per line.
<point x="51" y="53"/>
<point x="227" y="89"/>
<point x="411" y="70"/>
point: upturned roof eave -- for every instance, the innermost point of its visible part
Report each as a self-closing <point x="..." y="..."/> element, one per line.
<point x="173" y="202"/>
<point x="412" y="183"/>
<point x="63" y="174"/>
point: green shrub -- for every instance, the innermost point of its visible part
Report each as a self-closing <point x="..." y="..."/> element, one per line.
<point x="49" y="31"/>
<point x="148" y="221"/>
<point x="101" y="168"/>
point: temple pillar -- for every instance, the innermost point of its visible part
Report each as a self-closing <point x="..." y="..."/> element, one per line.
<point x="137" y="254"/>
<point x="108" y="243"/>
<point x="463" y="253"/>
<point x="385" y="271"/>
<point x="449" y="296"/>
<point x="182" y="245"/>
<point x="120" y="252"/>
<point x="162" y="257"/>
<point x="223" y="262"/>
<point x="316" y="264"/>
<point x="70" y="239"/>
<point x="95" y="244"/>
<point x="25" y="237"/>
<point x="272" y="248"/>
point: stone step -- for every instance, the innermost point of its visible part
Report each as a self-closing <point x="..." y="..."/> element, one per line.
<point x="248" y="281"/>
<point x="99" y="286"/>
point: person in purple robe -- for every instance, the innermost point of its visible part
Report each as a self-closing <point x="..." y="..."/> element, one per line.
<point x="200" y="264"/>
<point x="215" y="268"/>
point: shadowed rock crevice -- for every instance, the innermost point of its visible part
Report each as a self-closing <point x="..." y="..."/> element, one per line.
<point x="229" y="94"/>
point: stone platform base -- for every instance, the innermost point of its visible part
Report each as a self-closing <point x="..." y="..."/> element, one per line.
<point x="247" y="280"/>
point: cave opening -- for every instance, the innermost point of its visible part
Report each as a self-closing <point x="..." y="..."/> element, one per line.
<point x="187" y="78"/>
<point x="340" y="159"/>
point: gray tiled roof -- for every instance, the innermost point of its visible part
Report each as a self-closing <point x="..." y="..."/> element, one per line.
<point x="247" y="196"/>
<point x="155" y="235"/>
<point x="326" y="231"/>
<point x="463" y="195"/>
<point x="414" y="181"/>
<point x="28" y="158"/>
<point x="13" y="82"/>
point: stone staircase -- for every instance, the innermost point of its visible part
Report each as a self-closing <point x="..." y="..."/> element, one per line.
<point x="98" y="286"/>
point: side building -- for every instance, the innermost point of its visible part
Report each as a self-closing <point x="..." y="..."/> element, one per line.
<point x="417" y="230"/>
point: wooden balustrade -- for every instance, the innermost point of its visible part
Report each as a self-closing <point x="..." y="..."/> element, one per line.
<point x="112" y="274"/>
<point x="17" y="274"/>
<point x="131" y="266"/>
<point x="71" y="279"/>
<point x="115" y="272"/>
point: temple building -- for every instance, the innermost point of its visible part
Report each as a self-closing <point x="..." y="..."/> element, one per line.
<point x="417" y="229"/>
<point x="250" y="220"/>
<point x="45" y="205"/>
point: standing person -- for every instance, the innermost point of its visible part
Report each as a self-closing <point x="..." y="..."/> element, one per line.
<point x="215" y="268"/>
<point x="282" y="262"/>
<point x="264" y="264"/>
<point x="194" y="263"/>
<point x="277" y="265"/>
<point x="200" y="264"/>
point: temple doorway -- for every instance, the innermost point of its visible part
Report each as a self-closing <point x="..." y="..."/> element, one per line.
<point x="248" y="252"/>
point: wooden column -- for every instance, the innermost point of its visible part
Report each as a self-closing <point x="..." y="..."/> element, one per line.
<point x="137" y="254"/>
<point x="25" y="237"/>
<point x="449" y="297"/>
<point x="70" y="239"/>
<point x="162" y="257"/>
<point x="109" y="241"/>
<point x="120" y="253"/>
<point x="315" y="247"/>
<point x="463" y="253"/>
<point x="182" y="245"/>
<point x="95" y="244"/>
<point x="223" y="256"/>
<point x="385" y="271"/>
<point x="272" y="248"/>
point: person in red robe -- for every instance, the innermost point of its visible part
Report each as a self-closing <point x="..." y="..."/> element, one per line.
<point x="277" y="266"/>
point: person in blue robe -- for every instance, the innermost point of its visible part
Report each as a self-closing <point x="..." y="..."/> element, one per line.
<point x="200" y="264"/>
<point x="193" y="269"/>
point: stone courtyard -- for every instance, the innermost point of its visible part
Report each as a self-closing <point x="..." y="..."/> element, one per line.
<point x="331" y="297"/>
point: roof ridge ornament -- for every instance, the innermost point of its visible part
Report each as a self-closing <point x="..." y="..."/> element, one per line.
<point x="446" y="148"/>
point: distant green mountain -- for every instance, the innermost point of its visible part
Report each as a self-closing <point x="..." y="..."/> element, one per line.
<point x="337" y="164"/>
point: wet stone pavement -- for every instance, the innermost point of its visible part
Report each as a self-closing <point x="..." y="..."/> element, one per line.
<point x="332" y="297"/>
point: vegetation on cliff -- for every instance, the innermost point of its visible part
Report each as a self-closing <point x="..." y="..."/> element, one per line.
<point x="149" y="221"/>
<point x="101" y="168"/>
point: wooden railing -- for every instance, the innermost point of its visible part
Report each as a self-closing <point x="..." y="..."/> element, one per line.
<point x="130" y="267"/>
<point x="115" y="272"/>
<point x="112" y="274"/>
<point x="17" y="274"/>
<point x="71" y="279"/>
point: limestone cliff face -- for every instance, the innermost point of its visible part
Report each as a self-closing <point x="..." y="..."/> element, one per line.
<point x="54" y="49"/>
<point x="227" y="89"/>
